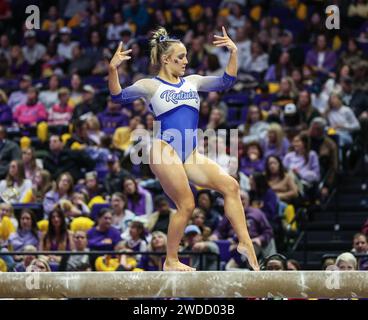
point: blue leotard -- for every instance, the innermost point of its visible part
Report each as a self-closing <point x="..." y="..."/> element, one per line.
<point x="175" y="106"/>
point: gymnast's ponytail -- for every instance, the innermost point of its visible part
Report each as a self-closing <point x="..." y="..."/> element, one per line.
<point x="160" y="44"/>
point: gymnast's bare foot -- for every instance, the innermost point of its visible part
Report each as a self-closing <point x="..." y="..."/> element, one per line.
<point x="248" y="251"/>
<point x="176" y="265"/>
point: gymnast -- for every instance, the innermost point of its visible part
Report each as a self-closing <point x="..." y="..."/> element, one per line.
<point x="174" y="101"/>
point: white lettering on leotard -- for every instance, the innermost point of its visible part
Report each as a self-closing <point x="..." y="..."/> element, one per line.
<point x="174" y="97"/>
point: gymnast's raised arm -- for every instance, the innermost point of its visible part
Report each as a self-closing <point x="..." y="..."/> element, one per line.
<point x="131" y="93"/>
<point x="212" y="83"/>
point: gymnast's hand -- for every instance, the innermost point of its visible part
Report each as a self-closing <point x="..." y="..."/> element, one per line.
<point x="120" y="56"/>
<point x="225" y="41"/>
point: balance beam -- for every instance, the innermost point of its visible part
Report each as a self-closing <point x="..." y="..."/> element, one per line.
<point x="232" y="284"/>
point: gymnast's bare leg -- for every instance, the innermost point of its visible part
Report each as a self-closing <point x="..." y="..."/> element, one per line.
<point x="175" y="183"/>
<point x="206" y="173"/>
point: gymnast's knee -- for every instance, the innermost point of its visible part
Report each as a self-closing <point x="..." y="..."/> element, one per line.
<point x="186" y="206"/>
<point x="231" y="187"/>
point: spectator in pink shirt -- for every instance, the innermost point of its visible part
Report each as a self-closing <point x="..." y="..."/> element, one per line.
<point x="61" y="113"/>
<point x="32" y="112"/>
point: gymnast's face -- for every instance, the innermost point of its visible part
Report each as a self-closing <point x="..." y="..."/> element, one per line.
<point x="177" y="60"/>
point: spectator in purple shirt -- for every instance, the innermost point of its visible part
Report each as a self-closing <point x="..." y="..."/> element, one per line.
<point x="103" y="236"/>
<point x="263" y="197"/>
<point x="27" y="233"/>
<point x="20" y="96"/>
<point x="303" y="161"/>
<point x="321" y="58"/>
<point x="253" y="160"/>
<point x="112" y="118"/>
<point x="275" y="144"/>
<point x="139" y="199"/>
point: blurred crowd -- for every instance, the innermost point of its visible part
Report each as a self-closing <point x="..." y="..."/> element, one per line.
<point x="300" y="105"/>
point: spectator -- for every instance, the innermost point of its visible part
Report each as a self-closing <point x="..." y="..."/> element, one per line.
<point x="115" y="175"/>
<point x="205" y="201"/>
<point x="255" y="127"/>
<point x="263" y="197"/>
<point x="60" y="160"/>
<point x="27" y="233"/>
<point x="286" y="45"/>
<point x="257" y="62"/>
<point x="80" y="262"/>
<point x="9" y="151"/>
<point x="95" y="49"/>
<point x="76" y="94"/>
<point x="52" y="16"/>
<point x="199" y="219"/>
<point x="88" y="106"/>
<point x="15" y="186"/>
<point x="253" y="160"/>
<point x="136" y="239"/>
<point x="327" y="152"/>
<point x="112" y="118"/>
<point x="342" y="119"/>
<point x="159" y="219"/>
<point x="275" y="143"/>
<point x="103" y="236"/>
<point x="194" y="243"/>
<point x="50" y="97"/>
<point x="33" y="51"/>
<point x="139" y="62"/>
<point x="6" y="117"/>
<point x="41" y="185"/>
<point x="137" y="14"/>
<point x="7" y="210"/>
<point x="63" y="189"/>
<point x="157" y="244"/>
<point x="302" y="161"/>
<point x="116" y="27"/>
<point x="139" y="199"/>
<point x="346" y="262"/>
<point x="23" y="265"/>
<point x="31" y="164"/>
<point x="276" y="262"/>
<point x="121" y="216"/>
<point x="280" y="181"/>
<point x="80" y="63"/>
<point x="18" y="64"/>
<point x="66" y="45"/>
<point x="321" y="58"/>
<point x="93" y="130"/>
<point x="307" y="112"/>
<point x="32" y="112"/>
<point x="79" y="139"/>
<point x="61" y="113"/>
<point x="360" y="244"/>
<point x="57" y="236"/>
<point x="122" y="136"/>
<point x="282" y="69"/>
<point x="287" y="93"/>
<point x="39" y="264"/>
<point x="20" y="97"/>
<point x="90" y="186"/>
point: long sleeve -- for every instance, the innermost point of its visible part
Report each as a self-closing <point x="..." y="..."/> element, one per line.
<point x="311" y="172"/>
<point x="133" y="92"/>
<point x="351" y="122"/>
<point x="212" y="83"/>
